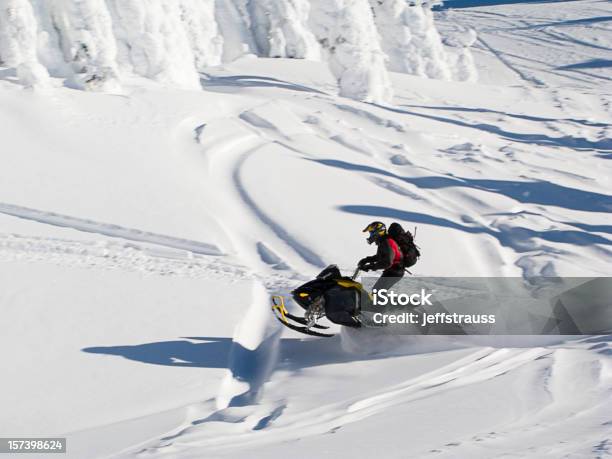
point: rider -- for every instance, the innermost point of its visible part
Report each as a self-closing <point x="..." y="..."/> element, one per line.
<point x="388" y="256"/>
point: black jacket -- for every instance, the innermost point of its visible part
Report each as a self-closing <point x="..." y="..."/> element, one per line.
<point x="383" y="258"/>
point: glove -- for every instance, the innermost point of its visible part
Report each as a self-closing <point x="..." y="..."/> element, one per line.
<point x="365" y="268"/>
<point x="362" y="264"/>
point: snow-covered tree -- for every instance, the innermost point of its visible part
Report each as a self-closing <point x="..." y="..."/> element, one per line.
<point x="410" y="39"/>
<point x="464" y="68"/>
<point x="92" y="44"/>
<point x="153" y="42"/>
<point x="348" y="35"/>
<point x="198" y="18"/>
<point x="86" y="41"/>
<point x="18" y="37"/>
<point x="280" y="28"/>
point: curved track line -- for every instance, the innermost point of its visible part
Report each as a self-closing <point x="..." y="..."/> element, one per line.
<point x="307" y="255"/>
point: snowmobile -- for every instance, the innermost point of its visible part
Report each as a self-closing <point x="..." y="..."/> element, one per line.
<point x="331" y="295"/>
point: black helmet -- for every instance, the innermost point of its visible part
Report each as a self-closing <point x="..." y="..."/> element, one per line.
<point x="376" y="230"/>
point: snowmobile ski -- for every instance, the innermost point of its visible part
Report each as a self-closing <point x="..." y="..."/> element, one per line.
<point x="283" y="316"/>
<point x="304" y="330"/>
<point x="303" y="321"/>
<point x="279" y="302"/>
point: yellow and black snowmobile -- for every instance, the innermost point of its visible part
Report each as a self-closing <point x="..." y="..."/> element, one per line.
<point x="331" y="295"/>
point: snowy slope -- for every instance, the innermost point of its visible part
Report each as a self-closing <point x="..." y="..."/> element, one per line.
<point x="141" y="233"/>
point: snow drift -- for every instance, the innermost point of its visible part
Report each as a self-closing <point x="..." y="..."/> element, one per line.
<point x="94" y="44"/>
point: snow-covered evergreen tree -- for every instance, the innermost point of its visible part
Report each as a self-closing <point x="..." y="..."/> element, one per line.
<point x="153" y="42"/>
<point x="280" y="28"/>
<point x="86" y="41"/>
<point x="92" y="44"/>
<point x="18" y="39"/>
<point x="459" y="43"/>
<point x="410" y="39"/>
<point x="348" y="35"/>
<point x="198" y="18"/>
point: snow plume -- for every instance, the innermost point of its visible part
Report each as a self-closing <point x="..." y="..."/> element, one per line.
<point x="18" y="37"/>
<point x="280" y="28"/>
<point x="348" y="35"/>
<point x="254" y="353"/>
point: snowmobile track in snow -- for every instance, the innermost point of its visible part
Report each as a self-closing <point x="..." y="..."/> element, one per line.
<point x="108" y="229"/>
<point x="117" y="256"/>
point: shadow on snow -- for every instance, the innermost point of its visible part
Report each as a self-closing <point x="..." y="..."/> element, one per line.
<point x="217" y="83"/>
<point x="590" y="64"/>
<point x="568" y="141"/>
<point x="539" y="192"/>
<point x="456" y="4"/>
<point x="518" y="238"/>
<point x="251" y="366"/>
<point x="222" y="352"/>
<point x="537" y="119"/>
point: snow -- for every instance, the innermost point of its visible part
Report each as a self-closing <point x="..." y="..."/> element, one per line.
<point x="233" y="20"/>
<point x="99" y="44"/>
<point x="347" y="33"/>
<point x="18" y="30"/>
<point x="87" y="42"/>
<point x="143" y="228"/>
<point x="202" y="31"/>
<point x="280" y="28"/>
<point x="410" y="39"/>
<point x="154" y="43"/>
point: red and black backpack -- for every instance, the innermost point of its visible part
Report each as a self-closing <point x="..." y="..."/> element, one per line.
<point x="405" y="242"/>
